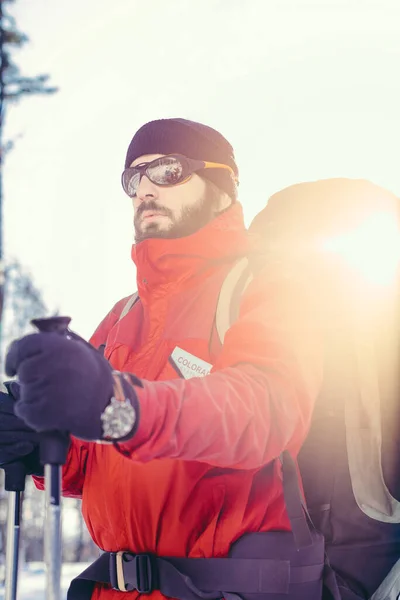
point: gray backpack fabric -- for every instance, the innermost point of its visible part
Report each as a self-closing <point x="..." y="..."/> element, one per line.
<point x="350" y="462"/>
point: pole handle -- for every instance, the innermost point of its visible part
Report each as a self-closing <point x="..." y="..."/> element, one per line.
<point x="52" y="324"/>
<point x="14" y="480"/>
<point x="54" y="447"/>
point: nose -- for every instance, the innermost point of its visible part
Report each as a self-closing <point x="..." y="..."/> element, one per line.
<point x="146" y="189"/>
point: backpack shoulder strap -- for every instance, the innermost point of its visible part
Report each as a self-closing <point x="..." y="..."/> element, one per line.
<point x="230" y="295"/>
<point x="130" y="302"/>
<point x="364" y="437"/>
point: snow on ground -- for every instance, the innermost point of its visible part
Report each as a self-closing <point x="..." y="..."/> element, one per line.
<point x="32" y="580"/>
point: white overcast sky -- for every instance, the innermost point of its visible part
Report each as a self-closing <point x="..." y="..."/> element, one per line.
<point x="302" y="89"/>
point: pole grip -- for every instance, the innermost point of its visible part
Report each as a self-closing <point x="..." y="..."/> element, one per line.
<point x="54" y="447"/>
<point x="14" y="480"/>
<point x="52" y="325"/>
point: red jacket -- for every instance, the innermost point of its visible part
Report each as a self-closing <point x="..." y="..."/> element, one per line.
<point x="201" y="469"/>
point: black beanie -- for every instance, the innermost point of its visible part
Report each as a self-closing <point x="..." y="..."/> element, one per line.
<point x="193" y="140"/>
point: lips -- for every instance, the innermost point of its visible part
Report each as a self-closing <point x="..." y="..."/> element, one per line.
<point x="149" y="215"/>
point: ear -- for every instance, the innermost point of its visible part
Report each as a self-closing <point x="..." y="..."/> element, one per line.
<point x="220" y="200"/>
<point x="225" y="201"/>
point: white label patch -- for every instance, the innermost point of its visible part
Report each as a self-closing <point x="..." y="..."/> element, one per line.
<point x="189" y="365"/>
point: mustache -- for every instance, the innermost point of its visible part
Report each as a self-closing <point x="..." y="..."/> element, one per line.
<point x="151" y="205"/>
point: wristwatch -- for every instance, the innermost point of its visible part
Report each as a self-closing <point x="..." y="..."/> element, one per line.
<point x="119" y="416"/>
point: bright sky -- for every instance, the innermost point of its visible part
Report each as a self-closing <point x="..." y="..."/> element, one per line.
<point x="302" y="89"/>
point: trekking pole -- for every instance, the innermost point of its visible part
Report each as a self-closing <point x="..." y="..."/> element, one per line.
<point x="53" y="454"/>
<point x="14" y="484"/>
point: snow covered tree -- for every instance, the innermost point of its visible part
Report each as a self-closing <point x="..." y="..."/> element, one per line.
<point x="24" y="301"/>
<point x="13" y="86"/>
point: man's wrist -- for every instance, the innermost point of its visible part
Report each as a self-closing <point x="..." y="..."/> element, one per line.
<point x="120" y="416"/>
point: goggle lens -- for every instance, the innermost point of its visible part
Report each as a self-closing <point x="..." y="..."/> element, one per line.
<point x="132" y="184"/>
<point x="167" y="170"/>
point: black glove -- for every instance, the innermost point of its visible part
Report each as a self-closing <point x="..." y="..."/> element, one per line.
<point x="18" y="442"/>
<point x="65" y="384"/>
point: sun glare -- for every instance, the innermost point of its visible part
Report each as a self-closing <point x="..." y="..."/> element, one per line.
<point x="373" y="249"/>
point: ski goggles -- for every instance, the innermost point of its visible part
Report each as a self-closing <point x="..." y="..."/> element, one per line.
<point x="169" y="170"/>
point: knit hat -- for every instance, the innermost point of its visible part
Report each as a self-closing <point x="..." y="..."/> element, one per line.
<point x="193" y="140"/>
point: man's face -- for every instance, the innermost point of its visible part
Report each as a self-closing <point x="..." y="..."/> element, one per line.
<point x="176" y="211"/>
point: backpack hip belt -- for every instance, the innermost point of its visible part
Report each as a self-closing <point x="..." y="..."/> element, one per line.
<point x="273" y="565"/>
<point x="211" y="578"/>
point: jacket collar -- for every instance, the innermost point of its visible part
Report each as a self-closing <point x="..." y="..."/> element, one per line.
<point x="162" y="262"/>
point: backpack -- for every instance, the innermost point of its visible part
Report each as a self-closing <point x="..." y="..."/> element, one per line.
<point x="350" y="461"/>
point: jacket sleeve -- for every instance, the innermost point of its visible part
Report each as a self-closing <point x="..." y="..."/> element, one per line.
<point x="259" y="397"/>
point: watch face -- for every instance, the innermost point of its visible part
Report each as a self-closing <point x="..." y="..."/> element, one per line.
<point x="118" y="419"/>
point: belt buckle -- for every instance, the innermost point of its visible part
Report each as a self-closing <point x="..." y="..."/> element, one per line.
<point x="120" y="571"/>
<point x="117" y="578"/>
<point x="142" y="569"/>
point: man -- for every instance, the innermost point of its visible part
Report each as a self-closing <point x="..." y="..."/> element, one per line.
<point x="191" y="464"/>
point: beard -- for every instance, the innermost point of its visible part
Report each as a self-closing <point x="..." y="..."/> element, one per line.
<point x="191" y="218"/>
